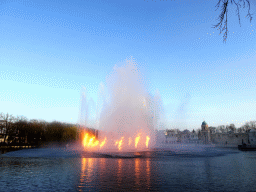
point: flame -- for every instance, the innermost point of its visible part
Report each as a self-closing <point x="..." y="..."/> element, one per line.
<point x="91" y="142"/>
<point x="147" y="140"/>
<point x="95" y="143"/>
<point x="137" y="140"/>
<point x="85" y="139"/>
<point x="103" y="142"/>
<point x="119" y="143"/>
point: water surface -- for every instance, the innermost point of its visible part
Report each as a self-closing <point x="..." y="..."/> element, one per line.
<point x="59" y="169"/>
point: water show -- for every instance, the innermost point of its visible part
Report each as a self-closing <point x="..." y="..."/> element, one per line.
<point x="127" y="113"/>
<point x="118" y="95"/>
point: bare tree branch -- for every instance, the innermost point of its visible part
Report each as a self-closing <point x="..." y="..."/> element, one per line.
<point x="224" y="13"/>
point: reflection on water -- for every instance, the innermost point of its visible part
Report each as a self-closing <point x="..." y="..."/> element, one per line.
<point x="137" y="172"/>
<point x="148" y="172"/>
<point x="160" y="171"/>
<point x="90" y="169"/>
<point x="102" y="165"/>
<point x="121" y="173"/>
<point x="87" y="171"/>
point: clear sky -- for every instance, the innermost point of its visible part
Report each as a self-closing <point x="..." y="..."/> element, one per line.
<point x="49" y="49"/>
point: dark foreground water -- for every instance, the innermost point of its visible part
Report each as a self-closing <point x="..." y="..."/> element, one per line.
<point x="60" y="169"/>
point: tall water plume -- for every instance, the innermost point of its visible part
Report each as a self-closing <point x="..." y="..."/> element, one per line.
<point x="83" y="108"/>
<point x="181" y="116"/>
<point x="127" y="113"/>
<point x="87" y="116"/>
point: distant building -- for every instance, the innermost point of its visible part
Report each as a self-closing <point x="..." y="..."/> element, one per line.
<point x="194" y="137"/>
<point x="204" y="135"/>
<point x="185" y="136"/>
<point x="211" y="135"/>
<point x="171" y="136"/>
<point x="252" y="137"/>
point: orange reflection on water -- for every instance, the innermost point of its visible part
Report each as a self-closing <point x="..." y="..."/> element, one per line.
<point x="137" y="171"/>
<point x="119" y="171"/>
<point x="83" y="163"/>
<point x="103" y="169"/>
<point x="148" y="173"/>
<point x="90" y="168"/>
<point x="86" y="172"/>
<point x="103" y="164"/>
<point x="82" y="175"/>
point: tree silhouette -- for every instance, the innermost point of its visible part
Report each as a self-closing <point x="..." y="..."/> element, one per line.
<point x="9" y="128"/>
<point x="20" y="131"/>
<point x="223" y="17"/>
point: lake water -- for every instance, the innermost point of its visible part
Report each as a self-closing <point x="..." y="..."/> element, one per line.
<point x="61" y="169"/>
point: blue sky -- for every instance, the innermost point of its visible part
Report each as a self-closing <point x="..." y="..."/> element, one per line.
<point x="50" y="49"/>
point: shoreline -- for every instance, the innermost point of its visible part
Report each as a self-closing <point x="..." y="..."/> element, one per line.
<point x="8" y="148"/>
<point x="173" y="147"/>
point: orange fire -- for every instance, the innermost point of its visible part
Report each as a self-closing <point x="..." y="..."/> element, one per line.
<point x="103" y="142"/>
<point x="137" y="140"/>
<point x="147" y="140"/>
<point x="119" y="143"/>
<point x="90" y="141"/>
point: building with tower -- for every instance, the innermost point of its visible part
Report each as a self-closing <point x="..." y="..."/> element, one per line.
<point x="204" y="134"/>
<point x="209" y="135"/>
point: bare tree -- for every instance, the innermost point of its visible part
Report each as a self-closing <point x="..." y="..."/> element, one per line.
<point x="246" y="127"/>
<point x="240" y="130"/>
<point x="223" y="17"/>
<point x="232" y="127"/>
<point x="252" y="124"/>
<point x="10" y="119"/>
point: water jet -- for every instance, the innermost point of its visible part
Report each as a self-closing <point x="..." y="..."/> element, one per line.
<point x="127" y="115"/>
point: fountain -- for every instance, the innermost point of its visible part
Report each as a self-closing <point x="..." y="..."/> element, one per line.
<point x="127" y="116"/>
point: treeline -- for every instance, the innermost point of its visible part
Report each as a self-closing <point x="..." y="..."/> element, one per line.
<point x="19" y="131"/>
<point x="245" y="128"/>
<point x="232" y="128"/>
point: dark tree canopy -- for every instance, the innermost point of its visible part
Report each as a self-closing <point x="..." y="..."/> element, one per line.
<point x="223" y="17"/>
